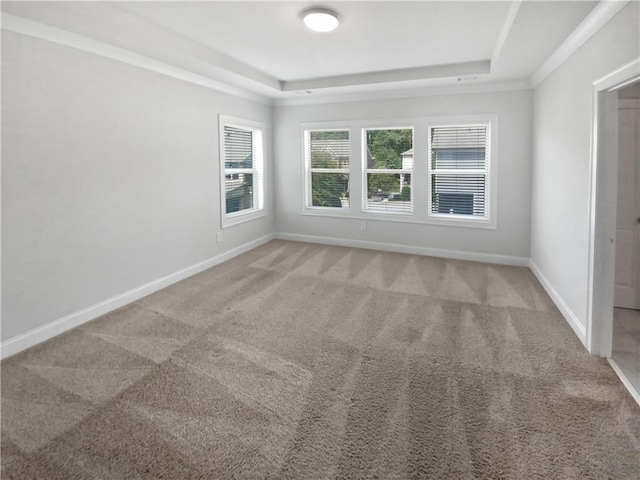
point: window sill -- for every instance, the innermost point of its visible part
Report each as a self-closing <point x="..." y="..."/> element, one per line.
<point x="401" y="218"/>
<point x="230" y="220"/>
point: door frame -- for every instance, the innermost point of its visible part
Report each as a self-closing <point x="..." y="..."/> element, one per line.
<point x="602" y="206"/>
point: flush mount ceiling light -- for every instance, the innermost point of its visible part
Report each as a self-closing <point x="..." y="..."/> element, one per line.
<point x="321" y="19"/>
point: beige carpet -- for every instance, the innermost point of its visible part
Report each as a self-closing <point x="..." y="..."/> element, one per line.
<point x="308" y="361"/>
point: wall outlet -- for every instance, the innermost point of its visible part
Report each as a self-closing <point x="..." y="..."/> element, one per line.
<point x="219" y="237"/>
<point x="363" y="226"/>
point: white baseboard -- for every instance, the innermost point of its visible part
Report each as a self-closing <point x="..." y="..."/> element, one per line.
<point x="571" y="318"/>
<point x="394" y="247"/>
<point x="61" y="325"/>
<point x="625" y="380"/>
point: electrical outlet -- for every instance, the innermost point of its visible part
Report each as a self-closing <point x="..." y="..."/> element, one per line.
<point x="363" y="226"/>
<point x="219" y="237"/>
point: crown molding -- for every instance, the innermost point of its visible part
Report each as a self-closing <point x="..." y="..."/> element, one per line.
<point x="620" y="77"/>
<point x="387" y="76"/>
<point x="597" y="18"/>
<point x="506" y="29"/>
<point x="41" y="31"/>
<point x="59" y="36"/>
<point x="404" y="93"/>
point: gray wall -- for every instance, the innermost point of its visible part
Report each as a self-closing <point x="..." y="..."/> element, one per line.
<point x="563" y="106"/>
<point x="511" y="238"/>
<point x="110" y="179"/>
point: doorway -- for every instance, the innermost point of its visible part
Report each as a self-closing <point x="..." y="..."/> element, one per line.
<point x="614" y="254"/>
<point x="626" y="296"/>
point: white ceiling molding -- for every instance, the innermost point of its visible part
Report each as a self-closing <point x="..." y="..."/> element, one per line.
<point x="620" y="77"/>
<point x="62" y="37"/>
<point x="456" y="89"/>
<point x="596" y="19"/>
<point x="59" y="36"/>
<point x="506" y="28"/>
<point x="135" y="38"/>
<point x="398" y="75"/>
<point x="174" y="48"/>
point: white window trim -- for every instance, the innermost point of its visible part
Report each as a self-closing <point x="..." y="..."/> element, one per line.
<point x="307" y="207"/>
<point x="259" y="189"/>
<point x="489" y="220"/>
<point x="420" y="214"/>
<point x="365" y="170"/>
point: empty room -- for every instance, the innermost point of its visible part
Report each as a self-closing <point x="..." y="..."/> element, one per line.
<point x="332" y="240"/>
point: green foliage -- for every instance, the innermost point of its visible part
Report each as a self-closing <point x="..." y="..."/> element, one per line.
<point x="387" y="146"/>
<point x="329" y="135"/>
<point x="383" y="183"/>
<point x="405" y="195"/>
<point x="386" y="157"/>
<point x="323" y="160"/>
<point x="326" y="188"/>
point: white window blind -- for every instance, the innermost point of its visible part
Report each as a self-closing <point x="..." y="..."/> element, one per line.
<point x="242" y="157"/>
<point x="327" y="167"/>
<point x="388" y="170"/>
<point x="459" y="171"/>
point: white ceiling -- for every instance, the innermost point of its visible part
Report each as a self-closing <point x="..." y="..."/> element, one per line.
<point x="371" y="37"/>
<point x="263" y="47"/>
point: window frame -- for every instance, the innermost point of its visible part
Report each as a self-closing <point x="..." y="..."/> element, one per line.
<point x="382" y="125"/>
<point x="490" y="173"/>
<point x="309" y="170"/>
<point x="420" y="178"/>
<point x="258" y="170"/>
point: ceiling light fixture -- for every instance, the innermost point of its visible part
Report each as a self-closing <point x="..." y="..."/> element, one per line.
<point x="321" y="19"/>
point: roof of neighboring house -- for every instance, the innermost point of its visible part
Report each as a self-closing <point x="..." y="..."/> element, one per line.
<point x="336" y="147"/>
<point x="408" y="152"/>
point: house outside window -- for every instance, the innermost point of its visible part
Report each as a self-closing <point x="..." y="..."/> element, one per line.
<point x="388" y="167"/>
<point x="459" y="171"/>
<point x="327" y="168"/>
<point x="242" y="170"/>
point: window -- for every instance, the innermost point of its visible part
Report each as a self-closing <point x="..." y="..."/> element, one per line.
<point x="327" y="168"/>
<point x="459" y="160"/>
<point x="242" y="165"/>
<point x="422" y="170"/>
<point x="388" y="166"/>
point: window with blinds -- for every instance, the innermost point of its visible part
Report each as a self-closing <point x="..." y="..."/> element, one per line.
<point x="388" y="169"/>
<point x="327" y="168"/>
<point x="242" y="168"/>
<point x="459" y="171"/>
